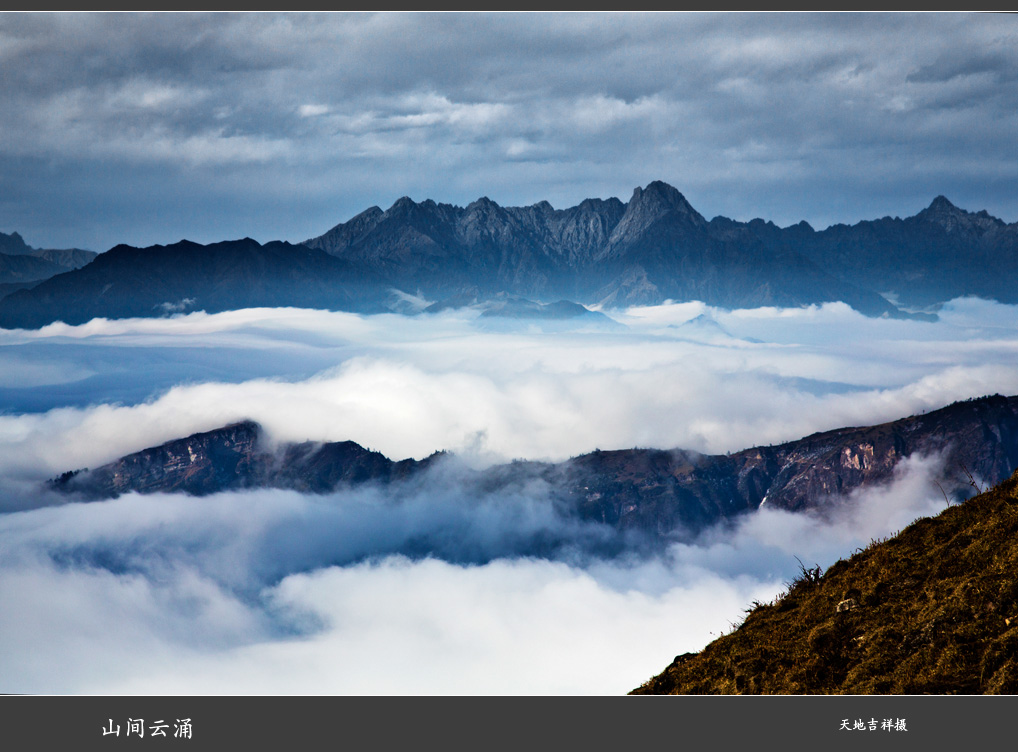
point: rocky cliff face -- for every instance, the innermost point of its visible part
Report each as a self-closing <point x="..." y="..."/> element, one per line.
<point x="657" y="491"/>
<point x="665" y="491"/>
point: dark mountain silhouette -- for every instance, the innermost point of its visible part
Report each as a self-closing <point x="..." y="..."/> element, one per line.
<point x="158" y="280"/>
<point x="932" y="610"/>
<point x="657" y="246"/>
<point x="14" y="244"/>
<point x="662" y="492"/>
<point x="654" y="248"/>
<point x="941" y="253"/>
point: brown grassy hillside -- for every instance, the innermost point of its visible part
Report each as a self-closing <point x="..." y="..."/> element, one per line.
<point x="933" y="610"/>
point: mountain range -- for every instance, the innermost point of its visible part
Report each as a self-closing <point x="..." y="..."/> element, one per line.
<point x="660" y="492"/>
<point x="605" y="253"/>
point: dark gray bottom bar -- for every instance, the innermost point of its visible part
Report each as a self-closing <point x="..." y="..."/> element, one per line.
<point x="198" y="723"/>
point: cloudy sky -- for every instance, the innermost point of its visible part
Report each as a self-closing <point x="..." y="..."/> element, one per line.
<point x="150" y="128"/>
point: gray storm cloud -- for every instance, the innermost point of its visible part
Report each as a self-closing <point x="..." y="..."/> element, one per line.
<point x="211" y="126"/>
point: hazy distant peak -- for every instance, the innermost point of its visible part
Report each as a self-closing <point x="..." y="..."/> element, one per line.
<point x="403" y="204"/>
<point x="482" y="203"/>
<point x="940" y="203"/>
<point x="13" y="244"/>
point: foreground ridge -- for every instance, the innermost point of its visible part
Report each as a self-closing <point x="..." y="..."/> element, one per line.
<point x="662" y="492"/>
<point x="932" y="610"/>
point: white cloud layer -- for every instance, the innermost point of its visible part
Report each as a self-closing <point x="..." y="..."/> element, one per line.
<point x="411" y="386"/>
<point x="436" y="591"/>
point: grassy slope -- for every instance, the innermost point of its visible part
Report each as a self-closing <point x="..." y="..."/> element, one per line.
<point x="936" y="612"/>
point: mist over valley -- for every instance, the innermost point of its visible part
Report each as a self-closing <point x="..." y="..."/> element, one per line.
<point x="225" y="591"/>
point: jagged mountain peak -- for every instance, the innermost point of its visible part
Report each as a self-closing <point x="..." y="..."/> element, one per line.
<point x="483" y="205"/>
<point x="659" y="198"/>
<point x="653" y="248"/>
<point x="951" y="218"/>
<point x="660" y="194"/>
<point x="14" y="244"/>
<point x="941" y="204"/>
<point x="401" y="206"/>
<point x="648" y="206"/>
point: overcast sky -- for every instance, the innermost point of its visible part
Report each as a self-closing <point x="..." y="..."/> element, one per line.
<point x="151" y="128"/>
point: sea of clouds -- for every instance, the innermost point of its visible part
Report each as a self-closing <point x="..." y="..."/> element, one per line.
<point x="437" y="591"/>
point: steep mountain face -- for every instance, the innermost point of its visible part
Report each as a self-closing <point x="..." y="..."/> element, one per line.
<point x="127" y="281"/>
<point x="657" y="491"/>
<point x="444" y="250"/>
<point x="662" y="248"/>
<point x="933" y="610"/>
<point x="664" y="491"/>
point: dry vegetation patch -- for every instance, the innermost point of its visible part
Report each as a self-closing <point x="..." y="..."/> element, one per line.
<point x="932" y="610"/>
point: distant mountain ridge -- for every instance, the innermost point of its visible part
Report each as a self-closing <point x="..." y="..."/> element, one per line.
<point x="21" y="265"/>
<point x="653" y="248"/>
<point x="607" y="253"/>
<point x="657" y="246"/>
<point x="653" y="490"/>
<point x="185" y="276"/>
